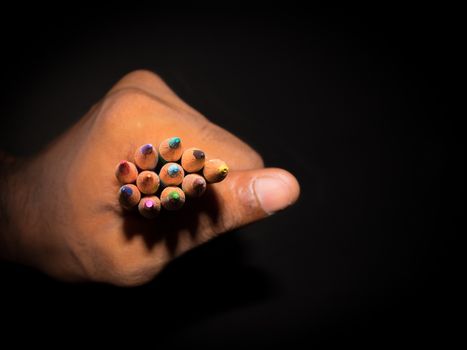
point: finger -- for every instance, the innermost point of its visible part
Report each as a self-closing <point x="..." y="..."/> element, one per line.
<point x="244" y="197"/>
<point x="250" y="195"/>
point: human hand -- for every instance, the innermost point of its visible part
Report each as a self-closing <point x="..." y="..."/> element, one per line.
<point x="59" y="210"/>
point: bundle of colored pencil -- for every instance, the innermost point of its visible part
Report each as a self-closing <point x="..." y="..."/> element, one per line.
<point x="163" y="177"/>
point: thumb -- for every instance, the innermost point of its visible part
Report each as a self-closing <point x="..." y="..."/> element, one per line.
<point x="250" y="195"/>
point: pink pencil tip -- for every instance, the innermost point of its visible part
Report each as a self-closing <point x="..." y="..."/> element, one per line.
<point x="123" y="167"/>
<point x="199" y="182"/>
<point x="149" y="204"/>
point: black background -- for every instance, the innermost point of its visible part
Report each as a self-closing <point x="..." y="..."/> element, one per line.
<point x="349" y="100"/>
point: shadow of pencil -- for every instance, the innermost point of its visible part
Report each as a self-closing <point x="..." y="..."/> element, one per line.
<point x="170" y="224"/>
<point x="207" y="280"/>
<point x="210" y="279"/>
<point x="202" y="283"/>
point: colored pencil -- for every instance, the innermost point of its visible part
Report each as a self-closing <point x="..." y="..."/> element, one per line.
<point x="171" y="149"/>
<point x="171" y="174"/>
<point x="126" y="172"/>
<point x="129" y="196"/>
<point x="149" y="207"/>
<point x="148" y="182"/>
<point x="193" y="160"/>
<point x="194" y="185"/>
<point x="215" y="170"/>
<point x="146" y="157"/>
<point x="172" y="198"/>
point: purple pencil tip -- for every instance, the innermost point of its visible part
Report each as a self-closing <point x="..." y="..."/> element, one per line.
<point x="147" y="149"/>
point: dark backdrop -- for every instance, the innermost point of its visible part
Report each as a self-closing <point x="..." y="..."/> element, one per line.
<point x="363" y="253"/>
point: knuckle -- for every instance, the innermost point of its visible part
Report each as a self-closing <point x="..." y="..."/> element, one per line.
<point x="127" y="97"/>
<point x="128" y="103"/>
<point x="123" y="105"/>
<point x="143" y="75"/>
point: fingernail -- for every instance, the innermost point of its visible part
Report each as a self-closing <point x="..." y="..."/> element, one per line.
<point x="273" y="193"/>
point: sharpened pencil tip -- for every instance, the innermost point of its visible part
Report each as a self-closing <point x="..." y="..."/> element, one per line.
<point x="198" y="154"/>
<point x="173" y="170"/>
<point x="147" y="149"/>
<point x="174" y="196"/>
<point x="126" y="191"/>
<point x="224" y="170"/>
<point x="174" y="142"/>
<point x="123" y="167"/>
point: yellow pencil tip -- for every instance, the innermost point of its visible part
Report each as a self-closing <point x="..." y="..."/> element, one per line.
<point x="223" y="170"/>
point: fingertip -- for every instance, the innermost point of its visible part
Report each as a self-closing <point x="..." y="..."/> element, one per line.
<point x="275" y="189"/>
<point x="291" y="181"/>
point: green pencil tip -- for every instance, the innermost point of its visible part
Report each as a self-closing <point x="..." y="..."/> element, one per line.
<point x="174" y="142"/>
<point x="174" y="196"/>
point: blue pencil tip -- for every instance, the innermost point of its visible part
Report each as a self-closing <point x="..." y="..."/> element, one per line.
<point x="173" y="170"/>
<point x="126" y="191"/>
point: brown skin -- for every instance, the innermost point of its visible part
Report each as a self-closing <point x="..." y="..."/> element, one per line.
<point x="59" y="210"/>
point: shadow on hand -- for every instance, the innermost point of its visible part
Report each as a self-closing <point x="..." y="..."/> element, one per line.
<point x="207" y="280"/>
<point x="169" y="225"/>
